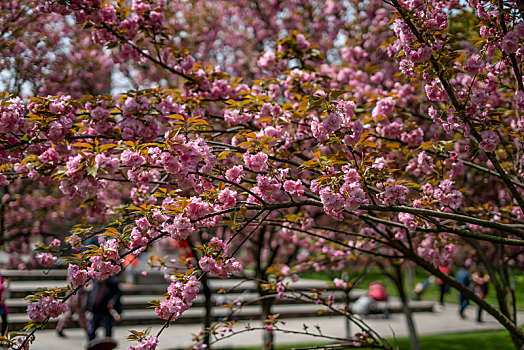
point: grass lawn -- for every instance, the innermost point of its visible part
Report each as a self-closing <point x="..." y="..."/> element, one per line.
<point x="432" y="293"/>
<point x="498" y="340"/>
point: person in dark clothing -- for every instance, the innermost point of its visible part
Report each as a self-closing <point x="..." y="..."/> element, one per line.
<point x="104" y="303"/>
<point x="463" y="276"/>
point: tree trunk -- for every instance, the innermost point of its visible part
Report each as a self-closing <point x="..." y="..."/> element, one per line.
<point x="348" y="321"/>
<point x="413" y="336"/>
<point x="268" y="337"/>
<point x="208" y="305"/>
<point x="261" y="276"/>
<point x="512" y="307"/>
<point x="409" y="274"/>
<point x="207" y="319"/>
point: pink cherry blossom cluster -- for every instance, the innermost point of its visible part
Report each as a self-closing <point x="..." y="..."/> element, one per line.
<point x="45" y="307"/>
<point x="107" y="263"/>
<point x="490" y="140"/>
<point x="352" y="190"/>
<point x="340" y="283"/>
<point x="216" y="260"/>
<point x="181" y="294"/>
<point x="519" y="100"/>
<point x="101" y="269"/>
<point x="183" y="156"/>
<point x="333" y="202"/>
<point x="422" y="165"/>
<point x="294" y="187"/>
<point x="408" y="220"/>
<point x="46" y="259"/>
<point x="436" y="249"/>
<point x="227" y="199"/>
<point x="132" y="159"/>
<point x="339" y="117"/>
<point x="63" y="116"/>
<point x="235" y="174"/>
<point x="384" y="107"/>
<point x="12" y="114"/>
<point x="268" y="188"/>
<point x="394" y="194"/>
<point x="235" y="117"/>
<point x="432" y="18"/>
<point x="76" y="275"/>
<point x="180" y="228"/>
<point x="256" y="162"/>
<point x="349" y="196"/>
<point x="149" y="343"/>
<point x="280" y="290"/>
<point x="448" y="198"/>
<point x="143" y="232"/>
<point x="141" y="16"/>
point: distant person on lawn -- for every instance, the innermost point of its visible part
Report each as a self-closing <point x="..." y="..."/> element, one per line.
<point x="444" y="288"/>
<point x="464" y="277"/>
<point x="367" y="304"/>
<point x="480" y="280"/>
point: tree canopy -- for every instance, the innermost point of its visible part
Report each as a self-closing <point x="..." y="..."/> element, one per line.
<point x="385" y="128"/>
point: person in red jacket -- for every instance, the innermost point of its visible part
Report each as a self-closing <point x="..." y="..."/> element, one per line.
<point x="444" y="288"/>
<point x="4" y="311"/>
<point x="377" y="291"/>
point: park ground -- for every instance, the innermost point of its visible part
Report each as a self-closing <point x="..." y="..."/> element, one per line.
<point x="439" y="330"/>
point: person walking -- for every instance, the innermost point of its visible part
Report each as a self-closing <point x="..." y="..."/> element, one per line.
<point x="75" y="305"/>
<point x="444" y="288"/>
<point x="4" y="294"/>
<point x="104" y="303"/>
<point x="480" y="287"/>
<point x="463" y="277"/>
<point x="421" y="287"/>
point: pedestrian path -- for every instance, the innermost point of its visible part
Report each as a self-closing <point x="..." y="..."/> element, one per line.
<point x="176" y="336"/>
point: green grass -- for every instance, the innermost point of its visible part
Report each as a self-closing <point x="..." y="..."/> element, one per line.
<point x="432" y="293"/>
<point x="498" y="340"/>
<point x="283" y="347"/>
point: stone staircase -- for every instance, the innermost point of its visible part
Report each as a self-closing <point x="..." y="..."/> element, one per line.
<point x="152" y="286"/>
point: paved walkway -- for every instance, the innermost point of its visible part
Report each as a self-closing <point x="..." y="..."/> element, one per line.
<point x="446" y="320"/>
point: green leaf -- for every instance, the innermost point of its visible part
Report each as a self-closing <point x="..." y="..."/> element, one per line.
<point x="92" y="170"/>
<point x="337" y="93"/>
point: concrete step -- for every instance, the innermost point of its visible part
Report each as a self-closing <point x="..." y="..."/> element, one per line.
<point x="250" y="312"/>
<point x="34" y="275"/>
<point x="20" y="289"/>
<point x="131" y="301"/>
